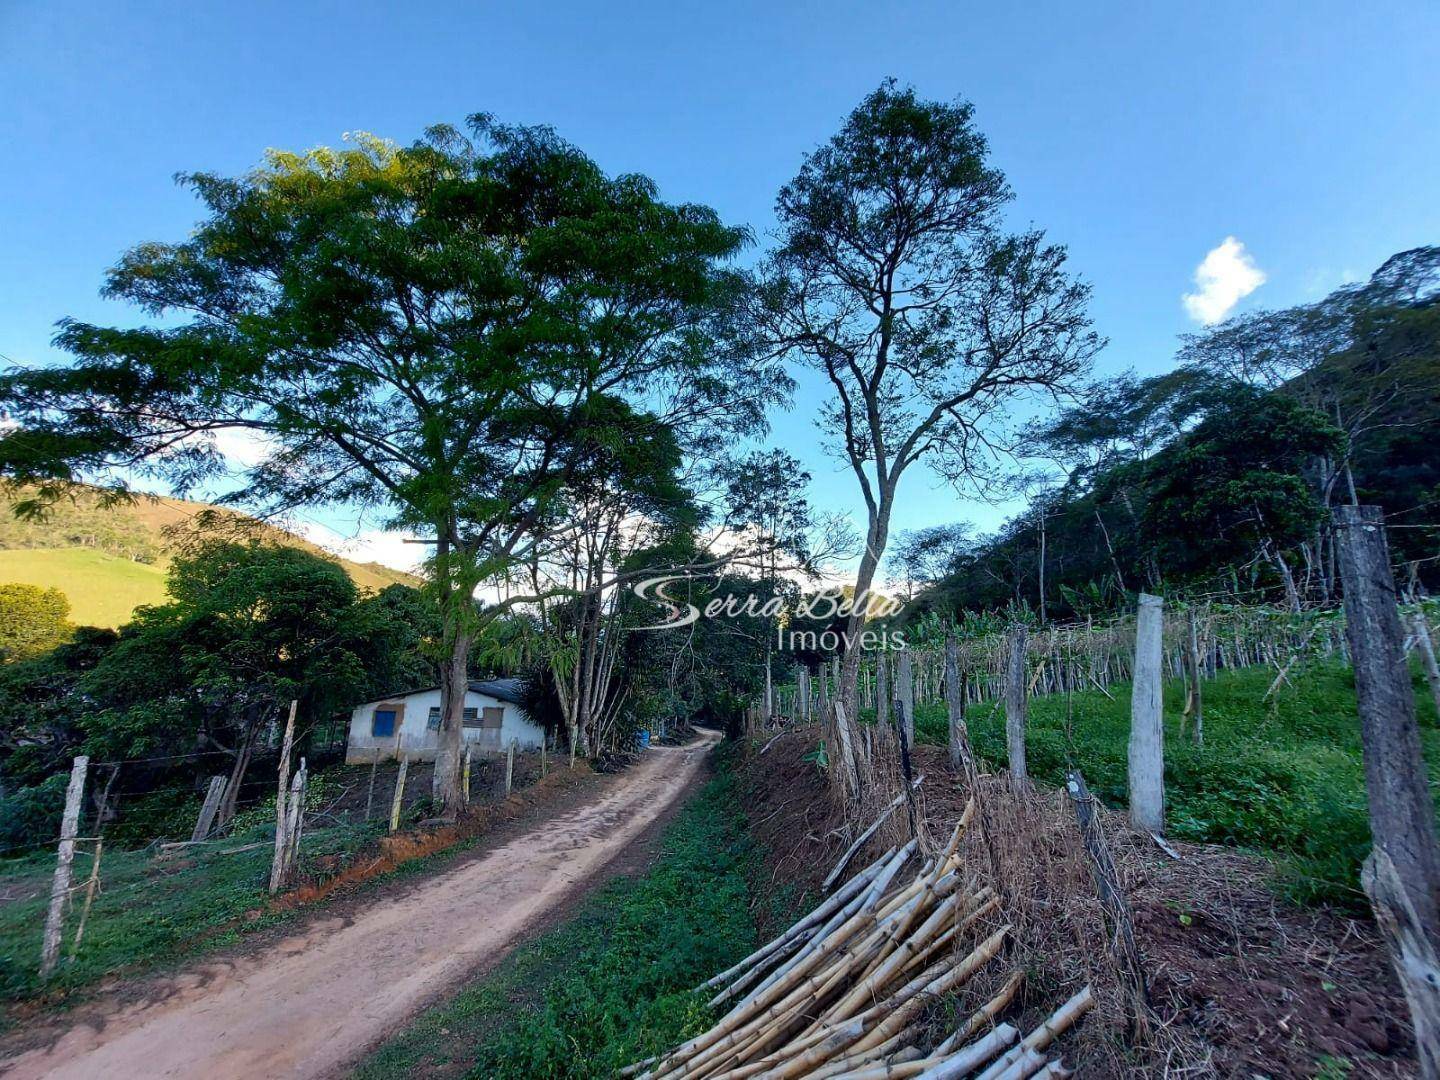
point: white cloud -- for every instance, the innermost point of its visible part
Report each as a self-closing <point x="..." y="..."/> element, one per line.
<point x="1224" y="277"/>
<point x="367" y="545"/>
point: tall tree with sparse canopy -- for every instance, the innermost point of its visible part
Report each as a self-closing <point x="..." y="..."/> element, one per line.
<point x="895" y="278"/>
<point x="450" y="332"/>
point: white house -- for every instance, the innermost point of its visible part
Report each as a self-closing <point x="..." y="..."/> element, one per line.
<point x="409" y="724"/>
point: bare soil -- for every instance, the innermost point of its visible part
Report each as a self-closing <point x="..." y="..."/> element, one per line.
<point x="317" y="999"/>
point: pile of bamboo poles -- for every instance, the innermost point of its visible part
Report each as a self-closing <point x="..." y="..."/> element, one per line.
<point x="842" y="993"/>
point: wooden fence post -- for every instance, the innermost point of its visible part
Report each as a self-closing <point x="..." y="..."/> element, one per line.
<point x="60" y="886"/>
<point x="882" y="690"/>
<point x="960" y="756"/>
<point x="1411" y="953"/>
<point x="90" y="887"/>
<point x="1112" y="899"/>
<point x="294" y="822"/>
<point x="398" y="800"/>
<point x="1196" y="704"/>
<point x="544" y="758"/>
<point x="1402" y="818"/>
<point x="465" y="776"/>
<point x="1016" y="704"/>
<point x="1147" y="731"/>
<point x="206" y="820"/>
<point x="509" y="767"/>
<point x="802" y="685"/>
<point x="1426" y="644"/>
<point x="905" y="695"/>
<point x="277" y="861"/>
<point x="370" y="791"/>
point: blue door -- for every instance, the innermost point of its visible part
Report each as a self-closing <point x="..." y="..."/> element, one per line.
<point x="382" y="724"/>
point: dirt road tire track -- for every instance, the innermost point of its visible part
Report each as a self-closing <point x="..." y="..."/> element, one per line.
<point x="318" y="1000"/>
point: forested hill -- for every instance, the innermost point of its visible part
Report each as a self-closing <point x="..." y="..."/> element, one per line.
<point x="108" y="560"/>
<point x="1217" y="477"/>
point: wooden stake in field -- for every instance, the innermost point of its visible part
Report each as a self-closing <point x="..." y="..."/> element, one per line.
<point x="277" y="862"/>
<point x="905" y="696"/>
<point x="509" y="767"/>
<point x="960" y="755"/>
<point x="465" y="776"/>
<point x="1412" y="954"/>
<point x="399" y="798"/>
<point x="1016" y="705"/>
<point x="90" y="886"/>
<point x="60" y="886"/>
<point x="294" y="824"/>
<point x="882" y="691"/>
<point x="1426" y="644"/>
<point x="1196" y="704"/>
<point x="370" y="791"/>
<point x="1402" y="818"/>
<point x="1147" y="732"/>
<point x="1112" y="900"/>
<point x="206" y="819"/>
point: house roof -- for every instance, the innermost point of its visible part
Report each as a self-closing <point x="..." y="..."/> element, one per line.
<point x="500" y="689"/>
<point x="503" y="689"/>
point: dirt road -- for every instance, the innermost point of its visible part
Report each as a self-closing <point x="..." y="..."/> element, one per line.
<point x="314" y="1002"/>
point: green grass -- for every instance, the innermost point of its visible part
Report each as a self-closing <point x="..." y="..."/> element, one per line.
<point x="103" y="590"/>
<point x="1282" y="776"/>
<point x="611" y="986"/>
<point x="150" y="910"/>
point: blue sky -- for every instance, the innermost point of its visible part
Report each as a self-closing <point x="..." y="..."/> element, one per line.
<point x="1140" y="135"/>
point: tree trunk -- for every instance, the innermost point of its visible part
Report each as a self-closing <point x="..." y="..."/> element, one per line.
<point x="449" y="756"/>
<point x="875" y="540"/>
<point x="1041" y="582"/>
<point x="1402" y="816"/>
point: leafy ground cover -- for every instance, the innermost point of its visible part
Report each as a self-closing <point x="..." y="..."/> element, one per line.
<point x="613" y="984"/>
<point x="1281" y="775"/>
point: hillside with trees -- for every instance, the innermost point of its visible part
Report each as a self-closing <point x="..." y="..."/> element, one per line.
<point x="1217" y="477"/>
<point x="110" y="558"/>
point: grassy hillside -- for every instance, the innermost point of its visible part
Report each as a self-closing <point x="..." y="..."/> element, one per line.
<point x="102" y="589"/>
<point x="109" y="560"/>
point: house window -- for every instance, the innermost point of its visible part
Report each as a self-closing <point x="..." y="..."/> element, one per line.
<point x="470" y="719"/>
<point x="494" y="715"/>
<point x="432" y="722"/>
<point x="382" y="723"/>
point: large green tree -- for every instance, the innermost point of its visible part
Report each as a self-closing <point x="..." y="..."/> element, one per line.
<point x="896" y="279"/>
<point x="448" y="331"/>
<point x="247" y="628"/>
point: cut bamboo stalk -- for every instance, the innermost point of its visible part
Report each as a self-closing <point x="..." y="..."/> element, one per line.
<point x="1041" y="1038"/>
<point x="902" y="951"/>
<point x="857" y="909"/>
<point x="984" y="1015"/>
<point x="815" y="917"/>
<point x="971" y="1057"/>
<point x="1017" y="1065"/>
<point x="840" y="866"/>
<point x="908" y="1062"/>
<point x="956" y="976"/>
